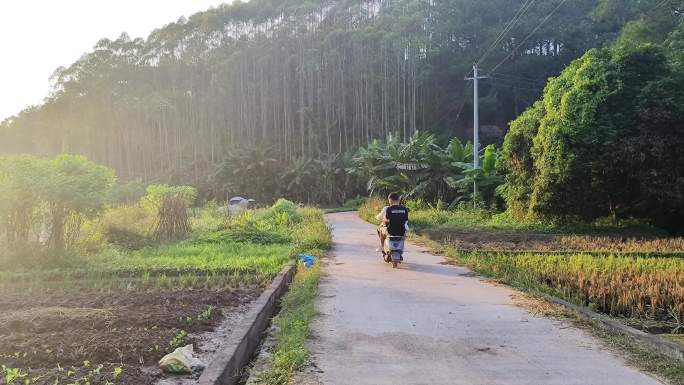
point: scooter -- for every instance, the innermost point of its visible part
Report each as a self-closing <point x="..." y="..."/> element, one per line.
<point x="393" y="251"/>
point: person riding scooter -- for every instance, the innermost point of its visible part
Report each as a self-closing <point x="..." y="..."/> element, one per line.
<point x="393" y="220"/>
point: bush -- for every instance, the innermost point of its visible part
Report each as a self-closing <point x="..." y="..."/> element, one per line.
<point x="67" y="189"/>
<point x="128" y="193"/>
<point x="605" y="140"/>
<point x="312" y="233"/>
<point x="209" y="219"/>
<point x="370" y="208"/>
<point x="286" y="207"/>
<point x="76" y="188"/>
<point x="21" y="181"/>
<point x="128" y="227"/>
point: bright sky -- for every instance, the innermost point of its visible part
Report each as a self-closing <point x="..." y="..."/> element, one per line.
<point x="38" y="36"/>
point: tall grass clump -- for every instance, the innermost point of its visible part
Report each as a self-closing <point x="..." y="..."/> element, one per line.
<point x="312" y="235"/>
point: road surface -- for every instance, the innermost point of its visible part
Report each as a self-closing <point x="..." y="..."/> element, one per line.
<point x="433" y="324"/>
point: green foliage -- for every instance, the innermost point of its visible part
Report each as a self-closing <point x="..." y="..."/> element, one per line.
<point x="169" y="107"/>
<point x="76" y="187"/>
<point x="518" y="161"/>
<point x="22" y="178"/>
<point x="255" y="173"/>
<point x="609" y="122"/>
<point x="312" y="234"/>
<point x="57" y="194"/>
<point x="420" y="169"/>
<point x="128" y="193"/>
<point x="10" y="375"/>
<point x="157" y="194"/>
<point x="128" y="226"/>
<point x="293" y="325"/>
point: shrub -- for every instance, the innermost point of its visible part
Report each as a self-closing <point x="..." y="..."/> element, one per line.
<point x="370" y="208"/>
<point x="605" y="140"/>
<point x="128" y="226"/>
<point x="76" y="187"/>
<point x="209" y="219"/>
<point x="69" y="188"/>
<point x="284" y="206"/>
<point x="21" y="181"/>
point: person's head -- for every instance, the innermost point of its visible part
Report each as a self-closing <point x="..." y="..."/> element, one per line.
<point x="393" y="198"/>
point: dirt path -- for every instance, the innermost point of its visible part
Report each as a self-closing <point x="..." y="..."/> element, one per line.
<point x="432" y="324"/>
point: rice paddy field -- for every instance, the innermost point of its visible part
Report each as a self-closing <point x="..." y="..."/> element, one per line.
<point x="108" y="317"/>
<point x="631" y="272"/>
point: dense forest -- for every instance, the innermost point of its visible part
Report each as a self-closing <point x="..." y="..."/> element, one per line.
<point x="308" y="80"/>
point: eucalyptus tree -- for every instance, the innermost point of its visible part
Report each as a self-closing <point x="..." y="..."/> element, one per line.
<point x="308" y="79"/>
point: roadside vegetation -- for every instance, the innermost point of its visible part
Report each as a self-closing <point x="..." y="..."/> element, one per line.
<point x="292" y="324"/>
<point x="129" y="281"/>
<point x="625" y="271"/>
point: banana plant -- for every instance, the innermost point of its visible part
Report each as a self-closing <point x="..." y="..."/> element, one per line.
<point x="420" y="168"/>
<point x="486" y="177"/>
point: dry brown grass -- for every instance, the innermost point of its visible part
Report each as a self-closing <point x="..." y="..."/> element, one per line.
<point x="539" y="306"/>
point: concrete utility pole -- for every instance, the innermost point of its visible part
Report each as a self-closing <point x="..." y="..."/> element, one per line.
<point x="476" y="124"/>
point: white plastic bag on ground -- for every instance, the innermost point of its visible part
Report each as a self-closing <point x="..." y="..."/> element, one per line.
<point x="181" y="361"/>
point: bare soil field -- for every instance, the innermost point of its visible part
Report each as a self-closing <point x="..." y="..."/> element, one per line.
<point x="115" y="337"/>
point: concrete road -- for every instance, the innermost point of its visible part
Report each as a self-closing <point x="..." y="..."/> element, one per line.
<point x="433" y="324"/>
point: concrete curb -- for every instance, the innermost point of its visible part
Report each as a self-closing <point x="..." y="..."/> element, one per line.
<point x="235" y="354"/>
<point x="655" y="342"/>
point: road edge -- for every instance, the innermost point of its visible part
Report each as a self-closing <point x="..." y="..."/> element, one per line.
<point x="236" y="352"/>
<point x="655" y="342"/>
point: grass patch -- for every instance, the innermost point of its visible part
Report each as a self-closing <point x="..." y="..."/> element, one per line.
<point x="293" y="322"/>
<point x="293" y="327"/>
<point x="350" y="205"/>
<point x="244" y="250"/>
<point x="437" y="217"/>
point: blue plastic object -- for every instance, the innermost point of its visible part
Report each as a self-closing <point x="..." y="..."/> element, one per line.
<point x="307" y="260"/>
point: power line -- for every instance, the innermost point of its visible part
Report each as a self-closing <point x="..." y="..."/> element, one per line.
<point x="518" y="84"/>
<point x="511" y="23"/>
<point x="519" y="80"/>
<point x="661" y="4"/>
<point x="528" y="36"/>
<point x="452" y="109"/>
<point x="521" y="77"/>
<point x="539" y="90"/>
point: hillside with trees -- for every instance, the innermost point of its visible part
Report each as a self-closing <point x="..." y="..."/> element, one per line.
<point x="307" y="79"/>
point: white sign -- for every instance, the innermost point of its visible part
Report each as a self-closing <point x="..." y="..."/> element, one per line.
<point x="411" y="166"/>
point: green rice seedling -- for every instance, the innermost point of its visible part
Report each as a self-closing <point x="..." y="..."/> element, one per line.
<point x="207" y="313"/>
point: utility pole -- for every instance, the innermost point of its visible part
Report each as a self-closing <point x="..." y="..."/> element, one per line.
<point x="476" y="125"/>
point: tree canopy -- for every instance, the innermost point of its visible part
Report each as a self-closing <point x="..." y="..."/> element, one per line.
<point x="308" y="79"/>
<point x="605" y="139"/>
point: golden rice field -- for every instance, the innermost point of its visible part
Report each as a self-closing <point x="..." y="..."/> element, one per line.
<point x="644" y="288"/>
